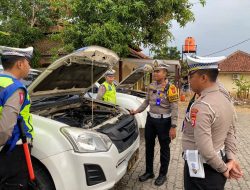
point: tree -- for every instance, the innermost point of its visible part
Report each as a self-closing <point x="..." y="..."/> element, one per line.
<point x="27" y="21"/>
<point x="118" y="24"/>
<point x="114" y="24"/>
<point x="4" y="33"/>
<point x="243" y="88"/>
<point x="167" y="53"/>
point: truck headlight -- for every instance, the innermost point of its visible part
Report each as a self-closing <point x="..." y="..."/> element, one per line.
<point x="84" y="141"/>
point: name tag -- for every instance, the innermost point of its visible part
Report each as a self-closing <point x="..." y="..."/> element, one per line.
<point x="158" y="101"/>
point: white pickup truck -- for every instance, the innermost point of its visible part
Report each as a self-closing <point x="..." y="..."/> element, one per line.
<point x="79" y="143"/>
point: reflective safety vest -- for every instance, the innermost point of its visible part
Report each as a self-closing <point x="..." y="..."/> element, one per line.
<point x="8" y="85"/>
<point x="110" y="93"/>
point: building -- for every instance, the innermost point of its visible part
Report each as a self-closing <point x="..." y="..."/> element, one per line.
<point x="234" y="67"/>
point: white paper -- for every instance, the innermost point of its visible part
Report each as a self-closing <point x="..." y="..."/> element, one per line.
<point x="195" y="164"/>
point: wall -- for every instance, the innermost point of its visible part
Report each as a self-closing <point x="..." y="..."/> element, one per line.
<point x="227" y="80"/>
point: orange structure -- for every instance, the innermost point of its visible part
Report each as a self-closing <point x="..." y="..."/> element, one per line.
<point x="190" y="46"/>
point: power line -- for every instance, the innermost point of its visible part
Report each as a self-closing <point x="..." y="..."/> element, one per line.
<point x="229" y="47"/>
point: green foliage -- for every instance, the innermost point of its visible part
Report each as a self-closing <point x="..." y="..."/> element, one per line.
<point x="184" y="69"/>
<point x="167" y="53"/>
<point x="118" y="24"/>
<point x="243" y="88"/>
<point x="114" y="24"/>
<point x="35" y="59"/>
<point x="27" y="21"/>
<point x="4" y="33"/>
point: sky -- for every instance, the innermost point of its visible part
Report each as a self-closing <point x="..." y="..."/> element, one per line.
<point x="218" y="25"/>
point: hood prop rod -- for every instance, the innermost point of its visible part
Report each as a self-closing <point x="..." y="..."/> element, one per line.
<point x="92" y="91"/>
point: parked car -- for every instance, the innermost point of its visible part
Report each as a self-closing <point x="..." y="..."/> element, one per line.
<point x="80" y="143"/>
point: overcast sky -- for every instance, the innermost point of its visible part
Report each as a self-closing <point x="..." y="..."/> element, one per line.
<point x="218" y="25"/>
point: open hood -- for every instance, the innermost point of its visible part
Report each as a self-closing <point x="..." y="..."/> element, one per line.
<point x="136" y="75"/>
<point x="133" y="78"/>
<point x="74" y="73"/>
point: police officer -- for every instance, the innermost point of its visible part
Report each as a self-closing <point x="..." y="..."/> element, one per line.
<point x="161" y="121"/>
<point x="107" y="91"/>
<point x="209" y="129"/>
<point x="14" y="107"/>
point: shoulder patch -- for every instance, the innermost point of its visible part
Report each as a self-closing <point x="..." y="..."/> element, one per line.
<point x="152" y="86"/>
<point x="194" y="112"/>
<point x="173" y="89"/>
<point x="172" y="93"/>
<point x="21" y="98"/>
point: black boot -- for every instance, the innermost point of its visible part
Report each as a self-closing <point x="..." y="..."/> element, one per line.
<point x="146" y="176"/>
<point x="160" y="180"/>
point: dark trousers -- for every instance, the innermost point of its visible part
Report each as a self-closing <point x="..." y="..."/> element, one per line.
<point x="212" y="181"/>
<point x="157" y="127"/>
<point x="13" y="169"/>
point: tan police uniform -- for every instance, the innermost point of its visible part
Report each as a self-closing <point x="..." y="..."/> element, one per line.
<point x="163" y="114"/>
<point x="209" y="127"/>
<point x="169" y="101"/>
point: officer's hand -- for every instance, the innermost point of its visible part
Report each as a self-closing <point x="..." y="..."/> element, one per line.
<point x="133" y="112"/>
<point x="235" y="172"/>
<point x="172" y="133"/>
<point x="230" y="165"/>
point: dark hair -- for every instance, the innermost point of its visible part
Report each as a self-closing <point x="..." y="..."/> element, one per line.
<point x="211" y="73"/>
<point x="9" y="61"/>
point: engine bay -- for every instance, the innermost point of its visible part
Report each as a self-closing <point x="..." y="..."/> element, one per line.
<point x="82" y="117"/>
<point x="75" y="111"/>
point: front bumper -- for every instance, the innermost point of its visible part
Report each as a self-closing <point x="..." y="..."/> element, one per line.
<point x="68" y="168"/>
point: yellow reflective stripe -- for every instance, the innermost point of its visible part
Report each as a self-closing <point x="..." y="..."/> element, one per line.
<point x="194" y="69"/>
<point x="28" y="97"/>
<point x="5" y="82"/>
<point x="27" y="117"/>
<point x="1" y="108"/>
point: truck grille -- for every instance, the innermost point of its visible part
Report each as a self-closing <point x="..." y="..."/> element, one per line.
<point x="123" y="133"/>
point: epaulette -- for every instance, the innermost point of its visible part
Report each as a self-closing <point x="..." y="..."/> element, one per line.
<point x="152" y="86"/>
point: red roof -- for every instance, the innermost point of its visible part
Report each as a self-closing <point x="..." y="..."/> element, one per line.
<point x="137" y="54"/>
<point x="238" y="61"/>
